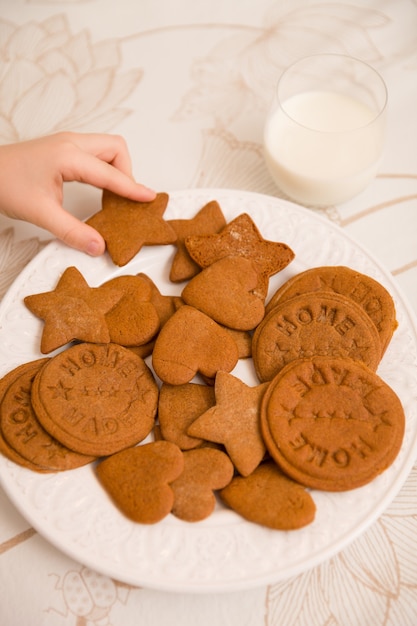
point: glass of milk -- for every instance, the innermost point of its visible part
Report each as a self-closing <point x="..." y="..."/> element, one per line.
<point x="324" y="134"/>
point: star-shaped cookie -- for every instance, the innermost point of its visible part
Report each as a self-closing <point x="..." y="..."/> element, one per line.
<point x="208" y="220"/>
<point x="73" y="311"/>
<point x="127" y="225"/>
<point x="241" y="237"/>
<point x="234" y="421"/>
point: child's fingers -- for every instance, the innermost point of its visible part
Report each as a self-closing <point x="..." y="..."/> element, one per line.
<point x="90" y="169"/>
<point x="109" y="148"/>
<point x="70" y="230"/>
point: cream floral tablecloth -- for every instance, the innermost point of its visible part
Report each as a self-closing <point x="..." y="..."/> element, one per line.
<point x="188" y="83"/>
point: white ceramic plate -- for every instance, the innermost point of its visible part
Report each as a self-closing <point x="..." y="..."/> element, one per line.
<point x="224" y="552"/>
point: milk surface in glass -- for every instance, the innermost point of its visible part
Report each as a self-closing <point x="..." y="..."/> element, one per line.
<point x="322" y="147"/>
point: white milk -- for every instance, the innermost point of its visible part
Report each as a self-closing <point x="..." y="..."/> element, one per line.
<point x="330" y="154"/>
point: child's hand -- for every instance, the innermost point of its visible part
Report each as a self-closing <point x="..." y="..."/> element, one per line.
<point x="32" y="174"/>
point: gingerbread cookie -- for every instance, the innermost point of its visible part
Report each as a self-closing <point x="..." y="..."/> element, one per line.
<point x="208" y="220"/>
<point x="331" y="423"/>
<point x="165" y="305"/>
<point x="241" y="237"/>
<point x="96" y="399"/>
<point x="73" y="311"/>
<point x="243" y="340"/>
<point x="126" y="226"/>
<point x="178" y="407"/>
<point x="234" y="421"/>
<point x="318" y="323"/>
<point x="138" y="480"/>
<point x="191" y="343"/>
<point x="268" y="497"/>
<point x="205" y="470"/>
<point x="22" y="430"/>
<point x="5" y="448"/>
<point x="364" y="290"/>
<point x="225" y="291"/>
<point x="134" y="320"/>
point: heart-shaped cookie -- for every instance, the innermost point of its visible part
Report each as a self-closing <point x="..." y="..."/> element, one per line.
<point x="225" y="292"/>
<point x="137" y="479"/>
<point x="241" y="237"/>
<point x="191" y="342"/>
<point x="205" y="470"/>
<point x="134" y="320"/>
<point x="268" y="497"/>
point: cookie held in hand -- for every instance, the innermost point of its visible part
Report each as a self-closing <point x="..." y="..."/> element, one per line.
<point x="126" y="226"/>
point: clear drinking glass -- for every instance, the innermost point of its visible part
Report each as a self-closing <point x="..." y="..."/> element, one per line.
<point x="324" y="134"/>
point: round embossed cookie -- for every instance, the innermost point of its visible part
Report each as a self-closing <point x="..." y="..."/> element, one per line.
<point x="319" y="323"/>
<point x="5" y="448"/>
<point x="22" y="430"/>
<point x="96" y="398"/>
<point x="366" y="291"/>
<point x="331" y="423"/>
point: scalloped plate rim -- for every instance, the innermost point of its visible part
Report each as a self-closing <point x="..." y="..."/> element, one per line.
<point x="17" y="482"/>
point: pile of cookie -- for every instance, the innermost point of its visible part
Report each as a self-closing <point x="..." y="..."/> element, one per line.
<point x="320" y="417"/>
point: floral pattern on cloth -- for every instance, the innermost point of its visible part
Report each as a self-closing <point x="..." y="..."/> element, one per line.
<point x="371" y="582"/>
<point x="56" y="76"/>
<point x="53" y="80"/>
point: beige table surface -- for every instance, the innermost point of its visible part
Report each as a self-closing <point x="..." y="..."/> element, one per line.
<point x="188" y="83"/>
